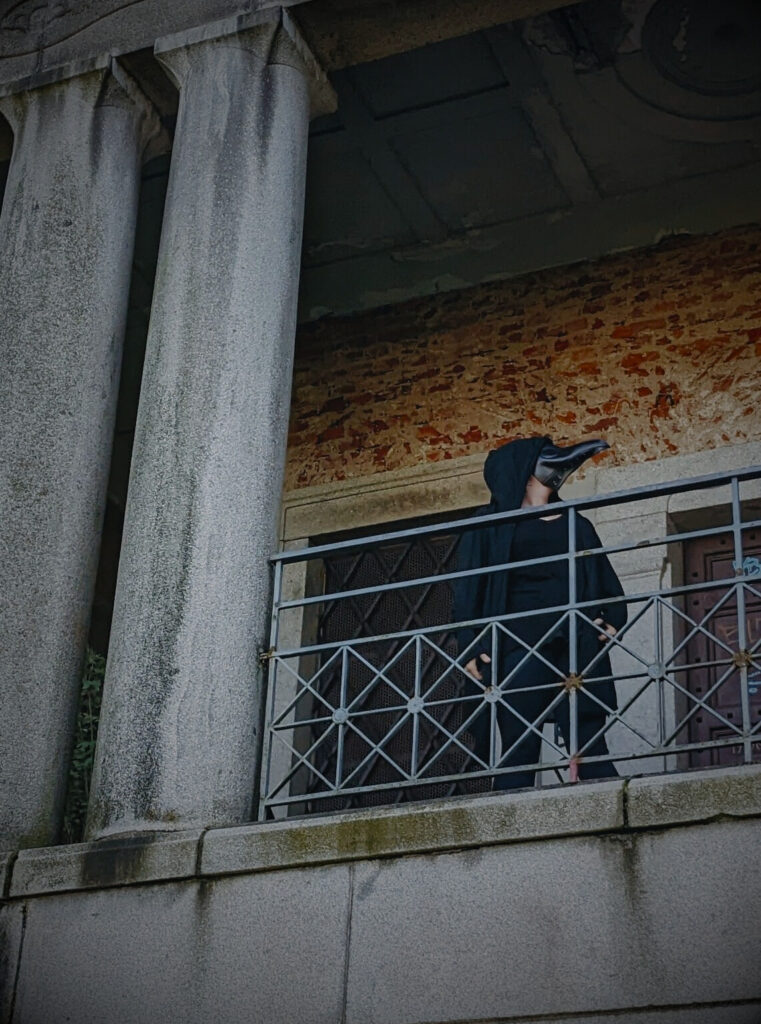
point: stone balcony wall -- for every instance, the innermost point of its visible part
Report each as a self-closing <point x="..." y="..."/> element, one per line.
<point x="620" y="901"/>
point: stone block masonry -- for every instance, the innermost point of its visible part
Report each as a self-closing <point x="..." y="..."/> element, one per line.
<point x="622" y="902"/>
<point x="657" y="350"/>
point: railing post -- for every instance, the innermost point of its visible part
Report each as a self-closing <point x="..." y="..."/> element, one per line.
<point x="269" y="702"/>
<point x="493" y="704"/>
<point x="416" y="712"/>
<point x="742" y="632"/>
<point x="660" y="660"/>
<point x="573" y="654"/>
<point x="342" y="724"/>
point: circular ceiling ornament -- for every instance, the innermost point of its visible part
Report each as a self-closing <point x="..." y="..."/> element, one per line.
<point x="712" y="47"/>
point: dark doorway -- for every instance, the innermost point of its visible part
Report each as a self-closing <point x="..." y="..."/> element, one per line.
<point x="381" y="697"/>
<point x="712" y="558"/>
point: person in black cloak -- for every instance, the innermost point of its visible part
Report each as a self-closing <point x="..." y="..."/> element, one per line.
<point x="523" y="473"/>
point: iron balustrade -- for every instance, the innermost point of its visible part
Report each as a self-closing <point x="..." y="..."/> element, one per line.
<point x="382" y="716"/>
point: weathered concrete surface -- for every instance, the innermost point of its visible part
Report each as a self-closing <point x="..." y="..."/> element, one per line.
<point x="699" y="205"/>
<point x="178" y="730"/>
<point x="733" y="792"/>
<point x="658" y="926"/>
<point x="734" y="1013"/>
<point x="6" y="866"/>
<point x="572" y="926"/>
<point x="147" y="857"/>
<point x="342" y="34"/>
<point x="67" y="228"/>
<point x="426" y="827"/>
<point x="266" y="948"/>
<point x="35" y="33"/>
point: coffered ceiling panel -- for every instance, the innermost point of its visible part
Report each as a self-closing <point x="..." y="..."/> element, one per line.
<point x="353" y="211"/>
<point x="431" y="75"/>
<point x="602" y="125"/>
<point x="481" y="170"/>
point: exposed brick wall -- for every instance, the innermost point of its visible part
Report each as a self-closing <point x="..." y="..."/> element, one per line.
<point x="658" y="351"/>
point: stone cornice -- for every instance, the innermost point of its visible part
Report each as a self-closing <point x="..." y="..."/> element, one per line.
<point x="274" y="36"/>
<point x="616" y="807"/>
<point x="36" y="35"/>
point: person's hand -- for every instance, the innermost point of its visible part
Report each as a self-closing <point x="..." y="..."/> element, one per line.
<point x="609" y="630"/>
<point x="472" y="666"/>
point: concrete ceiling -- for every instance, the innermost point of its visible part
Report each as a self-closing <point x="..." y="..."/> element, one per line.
<point x="594" y="128"/>
<point x="470" y="146"/>
<point x="40" y="34"/>
<point x="343" y="33"/>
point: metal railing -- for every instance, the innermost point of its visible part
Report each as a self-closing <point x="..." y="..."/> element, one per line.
<point x="373" y="715"/>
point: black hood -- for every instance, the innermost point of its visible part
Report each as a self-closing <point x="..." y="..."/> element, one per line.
<point x="507" y="470"/>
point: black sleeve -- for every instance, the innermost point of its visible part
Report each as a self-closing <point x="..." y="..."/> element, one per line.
<point x="468" y="590"/>
<point x="603" y="582"/>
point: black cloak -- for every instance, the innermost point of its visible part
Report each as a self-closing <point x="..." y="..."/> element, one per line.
<point x="506" y="471"/>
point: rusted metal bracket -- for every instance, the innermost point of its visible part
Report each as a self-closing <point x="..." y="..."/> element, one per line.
<point x="265" y="656"/>
<point x="573" y="682"/>
<point x="742" y="659"/>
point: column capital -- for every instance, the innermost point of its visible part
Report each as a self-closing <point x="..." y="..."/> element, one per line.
<point x="109" y="85"/>
<point x="54" y="75"/>
<point x="271" y="36"/>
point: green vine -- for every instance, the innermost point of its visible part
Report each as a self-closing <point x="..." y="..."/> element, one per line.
<point x="80" y="771"/>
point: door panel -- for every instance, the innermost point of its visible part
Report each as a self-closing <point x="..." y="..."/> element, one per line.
<point x="711" y="670"/>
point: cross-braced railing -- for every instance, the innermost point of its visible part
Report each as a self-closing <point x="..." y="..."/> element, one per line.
<point x="369" y="700"/>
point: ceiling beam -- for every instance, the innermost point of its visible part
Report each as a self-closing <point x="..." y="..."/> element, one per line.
<point x="521" y="71"/>
<point x="398" y="183"/>
<point x="697" y="205"/>
<point x="342" y="33"/>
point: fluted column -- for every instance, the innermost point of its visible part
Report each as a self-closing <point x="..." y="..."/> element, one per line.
<point x="179" y="727"/>
<point x="66" y="238"/>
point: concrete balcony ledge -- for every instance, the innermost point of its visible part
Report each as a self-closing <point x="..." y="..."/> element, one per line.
<point x="662" y="800"/>
<point x="451" y="824"/>
<point x="121" y="860"/>
<point x="460" y="823"/>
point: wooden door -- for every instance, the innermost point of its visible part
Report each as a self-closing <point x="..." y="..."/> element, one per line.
<point x="712" y="558"/>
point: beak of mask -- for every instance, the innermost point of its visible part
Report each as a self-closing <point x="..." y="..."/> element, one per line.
<point x="555" y="463"/>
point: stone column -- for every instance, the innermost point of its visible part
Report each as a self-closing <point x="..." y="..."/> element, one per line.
<point x="180" y="724"/>
<point x="66" y="239"/>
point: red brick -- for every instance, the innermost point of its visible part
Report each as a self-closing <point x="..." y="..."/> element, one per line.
<point x="631" y="330"/>
<point x="670" y="357"/>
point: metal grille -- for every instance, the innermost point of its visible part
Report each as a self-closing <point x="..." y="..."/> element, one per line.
<point x="374" y="708"/>
<point x="380" y="705"/>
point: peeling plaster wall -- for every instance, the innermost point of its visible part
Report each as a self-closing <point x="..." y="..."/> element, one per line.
<point x="657" y="350"/>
